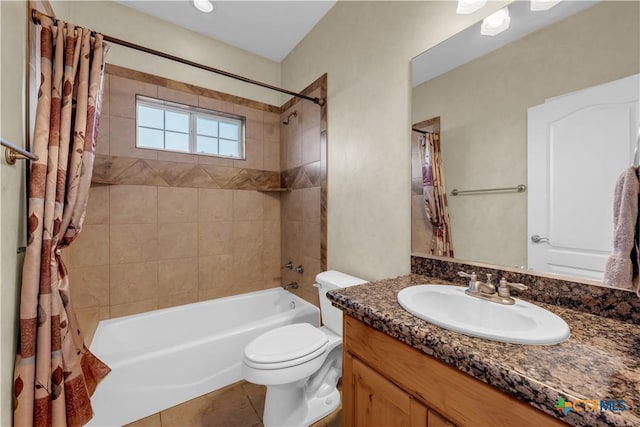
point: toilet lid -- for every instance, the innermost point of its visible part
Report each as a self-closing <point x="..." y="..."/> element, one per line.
<point x="285" y="343"/>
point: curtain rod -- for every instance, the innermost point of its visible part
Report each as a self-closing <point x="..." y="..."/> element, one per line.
<point x="424" y="132"/>
<point x="36" y="16"/>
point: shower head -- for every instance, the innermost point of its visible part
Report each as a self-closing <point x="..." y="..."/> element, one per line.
<point x="286" y="121"/>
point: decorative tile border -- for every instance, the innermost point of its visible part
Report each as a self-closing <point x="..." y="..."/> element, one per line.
<point x="130" y="171"/>
<point x="305" y="176"/>
<point x="188" y="88"/>
<point x="616" y="304"/>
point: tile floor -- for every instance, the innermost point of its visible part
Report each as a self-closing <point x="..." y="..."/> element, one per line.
<point x="238" y="405"/>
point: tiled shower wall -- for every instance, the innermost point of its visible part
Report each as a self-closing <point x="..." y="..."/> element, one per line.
<point x="303" y="161"/>
<point x="172" y="228"/>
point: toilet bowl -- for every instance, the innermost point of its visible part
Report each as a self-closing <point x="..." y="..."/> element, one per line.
<point x="301" y="364"/>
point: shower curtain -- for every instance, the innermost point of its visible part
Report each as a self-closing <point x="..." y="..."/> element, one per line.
<point x="55" y="373"/>
<point x="435" y="195"/>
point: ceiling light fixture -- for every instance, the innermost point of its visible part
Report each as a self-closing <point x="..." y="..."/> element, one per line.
<point x="537" y="5"/>
<point x="466" y="7"/>
<point x="495" y="23"/>
<point x="203" y="5"/>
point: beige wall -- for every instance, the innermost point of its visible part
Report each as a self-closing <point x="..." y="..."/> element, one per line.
<point x="128" y="24"/>
<point x="13" y="38"/>
<point x="145" y="247"/>
<point x="365" y="48"/>
<point x="483" y="109"/>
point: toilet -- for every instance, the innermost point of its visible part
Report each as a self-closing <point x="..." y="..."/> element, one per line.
<point x="301" y="364"/>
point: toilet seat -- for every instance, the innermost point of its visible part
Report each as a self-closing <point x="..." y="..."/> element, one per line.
<point x="286" y="346"/>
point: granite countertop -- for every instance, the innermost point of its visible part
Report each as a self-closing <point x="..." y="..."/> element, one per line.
<point x="601" y="359"/>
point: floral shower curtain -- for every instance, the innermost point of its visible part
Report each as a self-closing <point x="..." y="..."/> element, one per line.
<point x="55" y="372"/>
<point x="435" y="196"/>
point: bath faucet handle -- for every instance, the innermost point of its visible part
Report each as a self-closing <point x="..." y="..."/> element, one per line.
<point x="299" y="269"/>
<point x="288" y="265"/>
<point x="504" y="291"/>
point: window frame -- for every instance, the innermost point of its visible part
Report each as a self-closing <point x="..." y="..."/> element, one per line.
<point x="194" y="113"/>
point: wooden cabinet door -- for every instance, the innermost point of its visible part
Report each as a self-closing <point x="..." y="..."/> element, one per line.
<point x="436" y="420"/>
<point x="378" y="402"/>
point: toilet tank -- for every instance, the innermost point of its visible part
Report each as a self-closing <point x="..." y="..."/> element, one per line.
<point x="327" y="281"/>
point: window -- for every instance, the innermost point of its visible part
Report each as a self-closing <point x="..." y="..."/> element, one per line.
<point x="167" y="126"/>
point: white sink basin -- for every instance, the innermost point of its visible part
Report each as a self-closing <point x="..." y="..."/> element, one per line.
<point x="450" y="308"/>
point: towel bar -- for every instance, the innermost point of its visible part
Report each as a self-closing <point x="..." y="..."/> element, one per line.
<point x="13" y="153"/>
<point x="519" y="188"/>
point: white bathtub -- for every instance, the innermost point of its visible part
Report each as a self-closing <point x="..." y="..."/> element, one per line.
<point x="165" y="357"/>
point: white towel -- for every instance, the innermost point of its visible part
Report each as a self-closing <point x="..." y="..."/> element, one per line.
<point x="622" y="266"/>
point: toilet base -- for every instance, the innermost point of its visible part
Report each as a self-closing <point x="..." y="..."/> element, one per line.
<point x="298" y="413"/>
<point x="320" y="407"/>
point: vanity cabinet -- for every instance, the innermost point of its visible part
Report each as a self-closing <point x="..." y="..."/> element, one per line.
<point x="377" y="401"/>
<point x="387" y="383"/>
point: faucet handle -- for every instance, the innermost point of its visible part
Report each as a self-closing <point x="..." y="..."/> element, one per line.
<point x="471" y="276"/>
<point x="473" y="280"/>
<point x="489" y="275"/>
<point x="503" y="289"/>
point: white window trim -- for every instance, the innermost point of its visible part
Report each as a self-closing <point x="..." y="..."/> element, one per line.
<point x="193" y="113"/>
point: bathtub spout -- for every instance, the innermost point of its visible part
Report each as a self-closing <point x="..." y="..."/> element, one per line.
<point x="290" y="286"/>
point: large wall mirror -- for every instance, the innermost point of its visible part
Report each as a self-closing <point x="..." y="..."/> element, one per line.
<point x="516" y="111"/>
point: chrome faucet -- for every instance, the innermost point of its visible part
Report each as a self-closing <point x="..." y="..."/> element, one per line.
<point x="488" y="291"/>
<point x="290" y="286"/>
<point x="488" y="287"/>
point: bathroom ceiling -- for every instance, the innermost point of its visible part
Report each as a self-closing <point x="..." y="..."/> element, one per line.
<point x="267" y="28"/>
<point x="470" y="44"/>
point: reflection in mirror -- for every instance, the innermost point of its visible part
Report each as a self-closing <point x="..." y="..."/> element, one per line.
<point x="486" y="103"/>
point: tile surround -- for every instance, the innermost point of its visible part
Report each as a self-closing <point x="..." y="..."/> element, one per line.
<point x="215" y="238"/>
<point x="304" y="219"/>
<point x="177" y="228"/>
<point x="215" y="205"/>
<point x="130" y="204"/>
<point x="164" y="229"/>
<point x="84" y="253"/>
<point x="133" y="282"/>
<point x="177" y="204"/>
<point x="211" y="95"/>
<point x="128" y="243"/>
<point x="176" y="242"/>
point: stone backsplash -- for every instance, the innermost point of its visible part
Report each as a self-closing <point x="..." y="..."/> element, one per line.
<point x="616" y="304"/>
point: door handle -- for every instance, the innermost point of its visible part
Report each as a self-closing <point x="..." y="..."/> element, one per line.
<point x="537" y="239"/>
